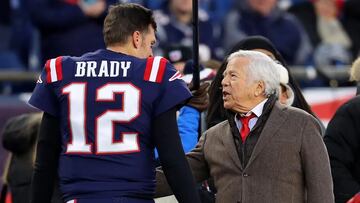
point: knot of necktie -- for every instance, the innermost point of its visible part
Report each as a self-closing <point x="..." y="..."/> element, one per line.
<point x="244" y="132"/>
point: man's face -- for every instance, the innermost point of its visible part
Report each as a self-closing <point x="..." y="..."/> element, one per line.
<point x="238" y="90"/>
<point x="182" y="6"/>
<point x="262" y="6"/>
<point x="147" y="43"/>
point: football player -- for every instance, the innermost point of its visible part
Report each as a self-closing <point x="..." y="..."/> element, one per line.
<point x="103" y="114"/>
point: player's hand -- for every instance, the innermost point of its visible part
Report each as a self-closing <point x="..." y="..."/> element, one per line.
<point x="200" y="99"/>
<point x="93" y="10"/>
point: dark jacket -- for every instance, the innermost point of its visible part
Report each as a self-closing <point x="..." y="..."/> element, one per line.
<point x="19" y="137"/>
<point x="352" y="23"/>
<point x="294" y="46"/>
<point x="342" y="139"/>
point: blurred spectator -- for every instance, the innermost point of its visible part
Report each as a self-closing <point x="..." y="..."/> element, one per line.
<point x="151" y="4"/>
<point x="216" y="112"/>
<point x="189" y="115"/>
<point x="4" y="24"/>
<point x="19" y="137"/>
<point x="342" y="139"/>
<point x="217" y="9"/>
<point x="188" y="119"/>
<point x="69" y="27"/>
<point x="320" y="19"/>
<point x="352" y="24"/>
<point x="286" y="94"/>
<point x="5" y="12"/>
<point x="14" y="50"/>
<point x="263" y="17"/>
<point x="24" y="37"/>
<point x="17" y="43"/>
<point x="180" y="56"/>
<point x="175" y="26"/>
<point x="355" y="74"/>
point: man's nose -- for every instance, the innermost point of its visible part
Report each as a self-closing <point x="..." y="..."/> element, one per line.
<point x="224" y="81"/>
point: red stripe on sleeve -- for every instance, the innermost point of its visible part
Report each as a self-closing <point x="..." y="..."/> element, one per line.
<point x="47" y="69"/>
<point x="161" y="70"/>
<point x="147" y="72"/>
<point x="58" y="67"/>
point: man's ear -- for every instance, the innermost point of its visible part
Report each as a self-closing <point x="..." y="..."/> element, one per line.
<point x="260" y="88"/>
<point x="136" y="39"/>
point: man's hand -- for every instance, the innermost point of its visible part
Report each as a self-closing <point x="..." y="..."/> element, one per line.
<point x="200" y="99"/>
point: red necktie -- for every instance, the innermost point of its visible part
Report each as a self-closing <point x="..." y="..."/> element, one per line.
<point x="244" y="132"/>
<point x="355" y="199"/>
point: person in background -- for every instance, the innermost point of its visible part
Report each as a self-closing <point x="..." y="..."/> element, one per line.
<point x="104" y="113"/>
<point x="286" y="94"/>
<point x="69" y="27"/>
<point x="342" y="139"/>
<point x="215" y="9"/>
<point x="351" y="21"/>
<point x="21" y="41"/>
<point x="189" y="115"/>
<point x="19" y="137"/>
<point x="264" y="151"/>
<point x="175" y="27"/>
<point x="321" y="20"/>
<point x="216" y="111"/>
<point x="263" y="17"/>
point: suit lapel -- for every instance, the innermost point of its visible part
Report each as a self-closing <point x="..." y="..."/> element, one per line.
<point x="272" y="125"/>
<point x="230" y="147"/>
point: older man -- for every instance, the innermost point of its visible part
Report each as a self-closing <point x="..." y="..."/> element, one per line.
<point x="264" y="152"/>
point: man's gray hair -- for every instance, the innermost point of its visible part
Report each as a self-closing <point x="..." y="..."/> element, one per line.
<point x="261" y="68"/>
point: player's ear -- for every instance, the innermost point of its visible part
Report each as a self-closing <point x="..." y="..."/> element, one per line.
<point x="136" y="37"/>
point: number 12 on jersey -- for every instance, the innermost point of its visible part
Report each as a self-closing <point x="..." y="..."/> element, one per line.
<point x="104" y="123"/>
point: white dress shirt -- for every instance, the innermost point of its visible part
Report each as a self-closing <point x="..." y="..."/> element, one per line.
<point x="257" y="110"/>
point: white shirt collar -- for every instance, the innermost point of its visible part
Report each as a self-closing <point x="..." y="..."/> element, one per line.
<point x="257" y="110"/>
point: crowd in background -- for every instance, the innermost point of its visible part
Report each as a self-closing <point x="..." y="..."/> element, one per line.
<point x="305" y="33"/>
<point x="310" y="33"/>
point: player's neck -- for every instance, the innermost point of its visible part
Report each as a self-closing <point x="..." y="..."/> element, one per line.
<point x="122" y="49"/>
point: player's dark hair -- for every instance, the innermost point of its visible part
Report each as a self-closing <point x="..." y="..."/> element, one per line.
<point x="123" y="20"/>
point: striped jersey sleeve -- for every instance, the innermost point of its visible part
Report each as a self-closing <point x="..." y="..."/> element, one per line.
<point x="53" y="68"/>
<point x="43" y="96"/>
<point x="155" y="68"/>
<point x="173" y="89"/>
